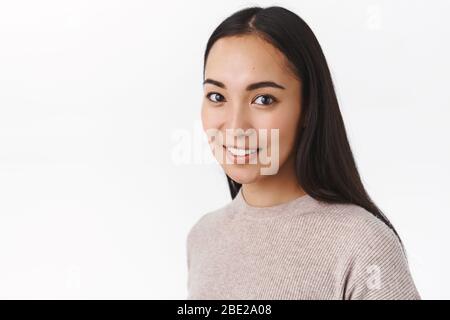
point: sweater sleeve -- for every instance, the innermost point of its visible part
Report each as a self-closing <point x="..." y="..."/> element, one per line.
<point x="379" y="269"/>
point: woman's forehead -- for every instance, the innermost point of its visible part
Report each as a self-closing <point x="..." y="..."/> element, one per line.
<point x="244" y="57"/>
<point x="241" y="60"/>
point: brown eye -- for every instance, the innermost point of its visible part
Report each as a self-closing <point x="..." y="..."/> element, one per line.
<point x="265" y="99"/>
<point x="215" y="97"/>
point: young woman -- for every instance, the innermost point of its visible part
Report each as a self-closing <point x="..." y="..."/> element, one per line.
<point x="304" y="228"/>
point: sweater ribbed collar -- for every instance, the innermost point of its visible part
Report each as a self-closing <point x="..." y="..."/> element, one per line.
<point x="302" y="204"/>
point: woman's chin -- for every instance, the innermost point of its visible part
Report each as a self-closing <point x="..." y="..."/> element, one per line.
<point x="243" y="174"/>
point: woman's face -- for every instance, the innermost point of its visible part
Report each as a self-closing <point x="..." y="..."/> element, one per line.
<point x="248" y="87"/>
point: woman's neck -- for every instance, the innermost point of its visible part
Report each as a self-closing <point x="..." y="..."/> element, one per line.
<point x="275" y="189"/>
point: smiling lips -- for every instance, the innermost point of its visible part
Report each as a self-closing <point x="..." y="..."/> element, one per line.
<point x="240" y="152"/>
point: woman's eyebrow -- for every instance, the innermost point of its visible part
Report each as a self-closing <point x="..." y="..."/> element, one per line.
<point x="250" y="87"/>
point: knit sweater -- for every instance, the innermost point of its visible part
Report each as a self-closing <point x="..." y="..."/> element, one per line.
<point x="301" y="249"/>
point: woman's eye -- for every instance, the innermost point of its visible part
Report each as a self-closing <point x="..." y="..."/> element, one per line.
<point x="265" y="99"/>
<point x="215" y="97"/>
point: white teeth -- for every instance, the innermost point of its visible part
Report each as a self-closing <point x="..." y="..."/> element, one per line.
<point x="241" y="152"/>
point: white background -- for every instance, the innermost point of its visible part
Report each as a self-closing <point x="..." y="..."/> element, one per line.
<point x="93" y="94"/>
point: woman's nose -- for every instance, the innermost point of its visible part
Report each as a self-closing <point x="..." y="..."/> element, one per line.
<point x="237" y="118"/>
<point x="238" y="125"/>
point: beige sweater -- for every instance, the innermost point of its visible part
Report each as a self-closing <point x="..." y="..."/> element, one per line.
<point x="301" y="249"/>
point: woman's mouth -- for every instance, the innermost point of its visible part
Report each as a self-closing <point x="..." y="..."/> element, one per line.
<point x="240" y="154"/>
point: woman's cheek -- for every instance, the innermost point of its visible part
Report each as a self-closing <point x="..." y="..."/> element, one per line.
<point x="281" y="141"/>
<point x="213" y="116"/>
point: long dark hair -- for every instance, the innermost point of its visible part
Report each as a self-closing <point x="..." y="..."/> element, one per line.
<point x="325" y="167"/>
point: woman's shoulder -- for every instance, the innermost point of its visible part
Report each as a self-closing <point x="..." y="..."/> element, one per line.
<point x="351" y="226"/>
<point x="208" y="222"/>
<point x="377" y="267"/>
<point x="376" y="262"/>
<point x="353" y="220"/>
